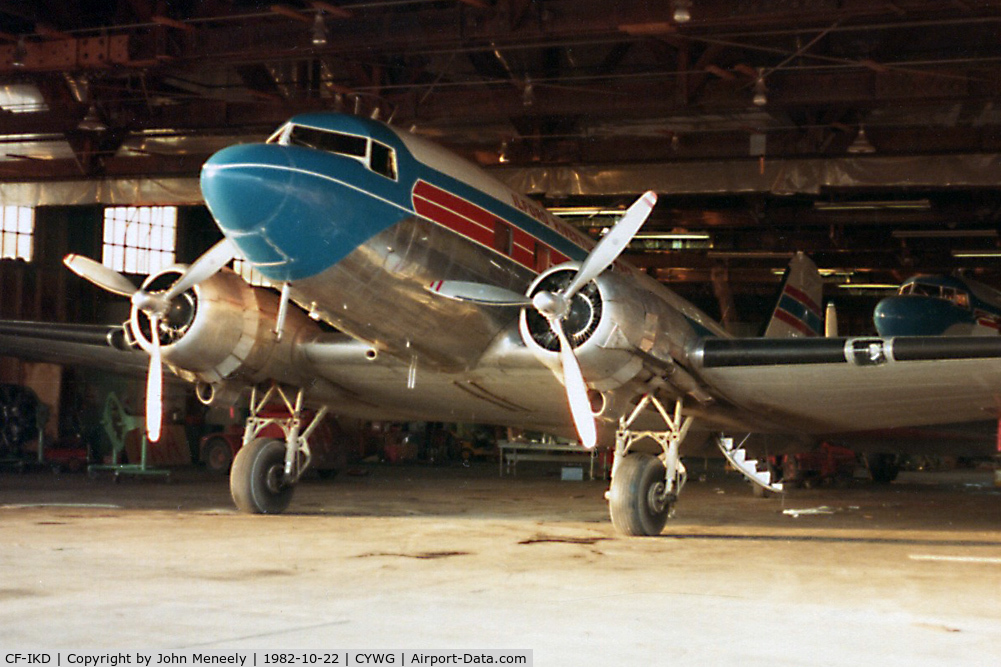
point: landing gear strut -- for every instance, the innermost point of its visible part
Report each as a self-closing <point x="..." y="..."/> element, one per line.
<point x="266" y="470"/>
<point x="645" y="485"/>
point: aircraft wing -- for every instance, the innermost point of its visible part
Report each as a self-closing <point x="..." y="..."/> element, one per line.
<point x="840" y="385"/>
<point x="84" y="344"/>
<point x="510" y="388"/>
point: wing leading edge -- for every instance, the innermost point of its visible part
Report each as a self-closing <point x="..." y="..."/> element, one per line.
<point x="86" y="344"/>
<point x="837" y="385"/>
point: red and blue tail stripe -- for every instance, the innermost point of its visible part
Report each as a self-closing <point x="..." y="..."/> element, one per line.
<point x="797" y="309"/>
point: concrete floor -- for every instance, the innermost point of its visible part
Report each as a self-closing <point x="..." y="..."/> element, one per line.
<point x="457" y="558"/>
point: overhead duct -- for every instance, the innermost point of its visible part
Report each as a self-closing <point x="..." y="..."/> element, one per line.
<point x="778" y="176"/>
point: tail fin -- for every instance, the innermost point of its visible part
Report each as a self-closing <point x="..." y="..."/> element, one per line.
<point x="798" y="313"/>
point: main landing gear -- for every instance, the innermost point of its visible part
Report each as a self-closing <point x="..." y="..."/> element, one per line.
<point x="647" y="472"/>
<point x="266" y="470"/>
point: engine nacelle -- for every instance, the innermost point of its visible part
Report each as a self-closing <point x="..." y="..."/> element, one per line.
<point x="613" y="324"/>
<point x="222" y="329"/>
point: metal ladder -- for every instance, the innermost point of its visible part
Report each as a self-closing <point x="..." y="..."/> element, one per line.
<point x="737" y="456"/>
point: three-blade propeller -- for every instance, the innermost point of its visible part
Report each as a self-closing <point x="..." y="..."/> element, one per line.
<point x="155" y="305"/>
<point x="555" y="306"/>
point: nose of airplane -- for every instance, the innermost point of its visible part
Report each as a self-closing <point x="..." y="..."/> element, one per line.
<point x="246" y="186"/>
<point x="912" y="316"/>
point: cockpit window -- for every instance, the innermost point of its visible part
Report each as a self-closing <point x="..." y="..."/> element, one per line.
<point x="278" y="135"/>
<point x="376" y="156"/>
<point x="383" y="160"/>
<point x="332" y="142"/>
<point x="959" y="297"/>
<point x="921" y="289"/>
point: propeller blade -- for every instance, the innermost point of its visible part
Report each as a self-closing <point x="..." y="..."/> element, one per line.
<point x="154" y="384"/>
<point x="573" y="379"/>
<point x="100" y="275"/>
<point x="203" y="268"/>
<point x="612" y="245"/>
<point x="487" y="295"/>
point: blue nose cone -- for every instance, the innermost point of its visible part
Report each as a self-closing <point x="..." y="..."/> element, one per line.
<point x="913" y="316"/>
<point x="246" y="186"/>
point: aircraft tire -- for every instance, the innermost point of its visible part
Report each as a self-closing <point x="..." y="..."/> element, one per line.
<point x="218" y="455"/>
<point x="638" y="480"/>
<point x="884" y="468"/>
<point x="255" y="481"/>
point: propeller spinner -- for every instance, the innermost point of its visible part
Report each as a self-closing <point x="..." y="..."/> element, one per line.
<point x="555" y="305"/>
<point x="156" y="305"/>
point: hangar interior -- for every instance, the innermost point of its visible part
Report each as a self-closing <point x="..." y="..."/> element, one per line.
<point x="865" y="134"/>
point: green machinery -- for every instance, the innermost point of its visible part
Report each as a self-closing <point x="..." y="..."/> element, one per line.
<point x="117" y="423"/>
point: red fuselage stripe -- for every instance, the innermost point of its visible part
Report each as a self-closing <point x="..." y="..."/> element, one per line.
<point x="453" y="221"/>
<point x="477" y="224"/>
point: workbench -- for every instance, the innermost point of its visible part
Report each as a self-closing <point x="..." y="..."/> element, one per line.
<point x="513" y="451"/>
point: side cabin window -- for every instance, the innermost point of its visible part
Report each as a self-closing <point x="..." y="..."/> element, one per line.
<point x="542" y="258"/>
<point x="503" y="238"/>
<point x="958" y="297"/>
<point x="376" y="156"/>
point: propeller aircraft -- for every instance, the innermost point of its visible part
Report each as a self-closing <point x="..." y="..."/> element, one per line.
<point x="454" y="298"/>
<point x="930" y="305"/>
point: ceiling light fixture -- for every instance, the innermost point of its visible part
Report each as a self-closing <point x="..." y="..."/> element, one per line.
<point x="972" y="254"/>
<point x="92" y="121"/>
<point x="861" y="145"/>
<point x="869" y="286"/>
<point x="943" y="233"/>
<point x="20" y="52"/>
<point x="824" y="273"/>
<point x="585" y="211"/>
<point x="760" y="97"/>
<point x="672" y="236"/>
<point x="748" y="254"/>
<point x="682" y="10"/>
<point x="319" y="30"/>
<point x="891" y="205"/>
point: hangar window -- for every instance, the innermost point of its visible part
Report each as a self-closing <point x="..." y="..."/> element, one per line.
<point x="139" y="239"/>
<point x="17" y="227"/>
<point x="249" y="273"/>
